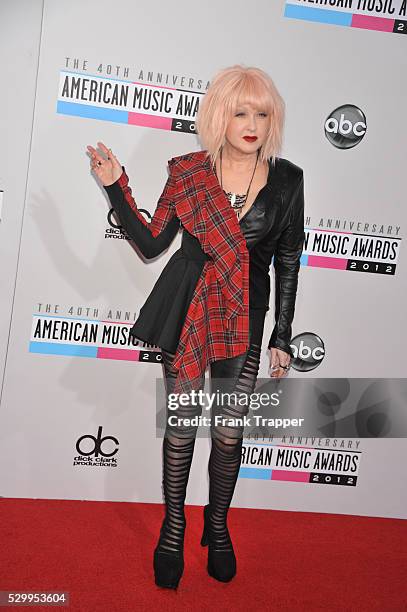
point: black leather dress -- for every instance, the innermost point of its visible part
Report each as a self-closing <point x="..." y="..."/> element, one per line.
<point x="274" y="225"/>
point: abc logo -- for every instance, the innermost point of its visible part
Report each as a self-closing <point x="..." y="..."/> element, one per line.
<point x="345" y="126"/>
<point x="308" y="350"/>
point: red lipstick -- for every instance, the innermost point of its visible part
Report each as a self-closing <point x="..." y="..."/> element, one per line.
<point x="250" y="138"/>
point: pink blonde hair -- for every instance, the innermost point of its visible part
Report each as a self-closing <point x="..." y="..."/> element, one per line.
<point x="233" y="85"/>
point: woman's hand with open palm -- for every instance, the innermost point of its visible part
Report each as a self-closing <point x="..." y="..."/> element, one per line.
<point x="106" y="167"/>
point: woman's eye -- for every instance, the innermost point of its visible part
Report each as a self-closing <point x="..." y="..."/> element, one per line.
<point x="241" y="114"/>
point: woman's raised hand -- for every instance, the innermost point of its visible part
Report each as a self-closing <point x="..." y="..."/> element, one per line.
<point x="106" y="167"/>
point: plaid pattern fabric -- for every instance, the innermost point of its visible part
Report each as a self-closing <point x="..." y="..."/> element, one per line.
<point x="217" y="322"/>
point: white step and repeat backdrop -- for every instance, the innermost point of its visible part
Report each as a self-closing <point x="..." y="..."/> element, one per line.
<point x="77" y="415"/>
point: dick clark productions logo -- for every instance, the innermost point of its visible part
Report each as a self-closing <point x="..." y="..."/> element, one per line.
<point x="95" y="445"/>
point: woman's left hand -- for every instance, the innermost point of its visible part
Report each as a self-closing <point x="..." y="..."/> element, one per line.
<point x="279" y="363"/>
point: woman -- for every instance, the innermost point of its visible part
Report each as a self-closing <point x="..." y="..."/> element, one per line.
<point x="238" y="205"/>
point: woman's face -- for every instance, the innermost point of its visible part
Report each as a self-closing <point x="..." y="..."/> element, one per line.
<point x="247" y="121"/>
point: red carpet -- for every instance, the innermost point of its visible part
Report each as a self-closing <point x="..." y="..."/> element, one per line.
<point x="101" y="553"/>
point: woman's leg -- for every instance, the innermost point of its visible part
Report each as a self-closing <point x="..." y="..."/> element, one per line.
<point x="238" y="375"/>
<point x="178" y="449"/>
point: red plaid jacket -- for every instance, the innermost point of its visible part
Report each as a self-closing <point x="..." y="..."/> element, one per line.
<point x="217" y="322"/>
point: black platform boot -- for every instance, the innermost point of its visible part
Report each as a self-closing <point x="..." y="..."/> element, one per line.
<point x="169" y="552"/>
<point x="223" y="467"/>
<point x="168" y="565"/>
<point x="221" y="562"/>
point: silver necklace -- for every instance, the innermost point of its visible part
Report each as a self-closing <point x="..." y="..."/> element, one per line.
<point x="237" y="200"/>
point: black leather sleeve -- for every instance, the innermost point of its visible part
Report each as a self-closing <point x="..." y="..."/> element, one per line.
<point x="287" y="265"/>
<point x="138" y="230"/>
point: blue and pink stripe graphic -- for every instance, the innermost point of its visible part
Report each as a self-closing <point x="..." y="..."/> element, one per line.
<point x="361" y="19"/>
<point x="75" y="350"/>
